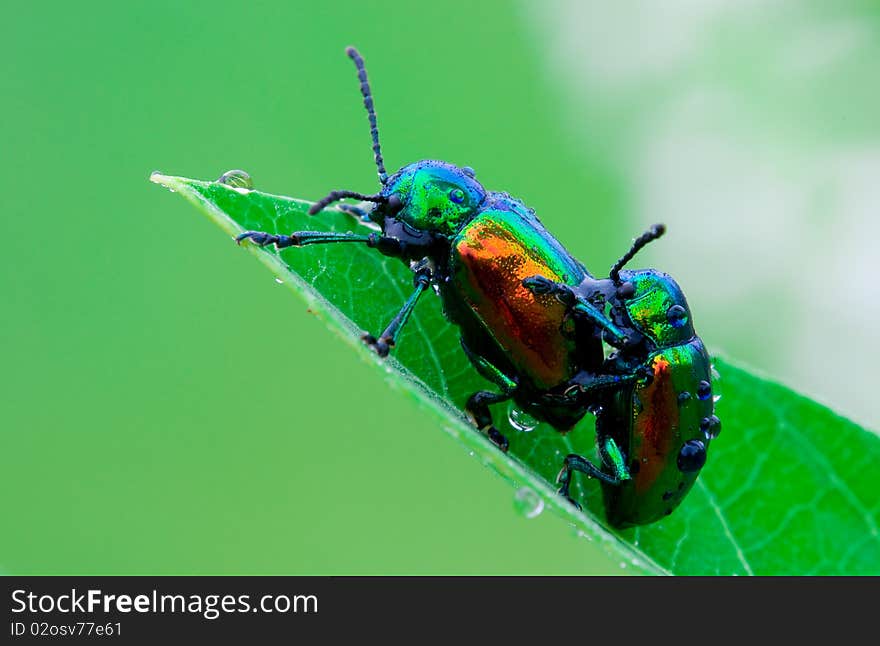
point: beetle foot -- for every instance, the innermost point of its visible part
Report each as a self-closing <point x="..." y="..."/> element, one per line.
<point x="570" y="499"/>
<point x="262" y="239"/>
<point x="259" y="238"/>
<point x="380" y="346"/>
<point x="498" y="438"/>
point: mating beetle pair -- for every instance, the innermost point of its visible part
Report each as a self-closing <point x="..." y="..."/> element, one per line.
<point x="535" y="322"/>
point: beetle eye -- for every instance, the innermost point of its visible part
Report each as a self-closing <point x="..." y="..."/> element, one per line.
<point x="456" y="195"/>
<point x="393" y="204"/>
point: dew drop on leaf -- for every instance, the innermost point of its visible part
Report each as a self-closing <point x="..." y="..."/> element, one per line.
<point x="579" y="533"/>
<point x="528" y="503"/>
<point x="236" y="179"/>
<point x="716" y="384"/>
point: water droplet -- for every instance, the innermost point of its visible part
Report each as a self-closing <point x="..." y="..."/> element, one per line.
<point x="279" y="281"/>
<point x="623" y="565"/>
<point x="520" y="420"/>
<point x="677" y="316"/>
<point x="236" y="179"/>
<point x="704" y="391"/>
<point x="583" y="534"/>
<point x="692" y="456"/>
<point x="528" y="503"/>
<point x="711" y="427"/>
<point x="716" y="385"/>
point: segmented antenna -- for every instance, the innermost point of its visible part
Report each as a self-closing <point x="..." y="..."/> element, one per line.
<point x="651" y="234"/>
<point x="335" y="196"/>
<point x="371" y="112"/>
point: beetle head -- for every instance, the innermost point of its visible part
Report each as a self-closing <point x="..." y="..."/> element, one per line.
<point x="431" y="196"/>
<point x="656" y="307"/>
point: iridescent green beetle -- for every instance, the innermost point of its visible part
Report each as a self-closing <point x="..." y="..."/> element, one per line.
<point x="486" y="255"/>
<point x="662" y="423"/>
<point x="475" y="247"/>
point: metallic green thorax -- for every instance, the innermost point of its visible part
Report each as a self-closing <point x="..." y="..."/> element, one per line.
<point x="658" y="308"/>
<point x="438" y="197"/>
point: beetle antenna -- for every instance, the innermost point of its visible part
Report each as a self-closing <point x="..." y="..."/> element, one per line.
<point x="335" y="196"/>
<point x="371" y="112"/>
<point x="651" y="234"/>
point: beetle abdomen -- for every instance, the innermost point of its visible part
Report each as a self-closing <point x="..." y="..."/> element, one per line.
<point x="659" y="425"/>
<point x="491" y="257"/>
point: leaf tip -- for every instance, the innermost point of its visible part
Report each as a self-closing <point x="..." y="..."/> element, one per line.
<point x="168" y="181"/>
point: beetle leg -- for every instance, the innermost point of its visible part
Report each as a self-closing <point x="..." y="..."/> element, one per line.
<point x="488" y="371"/>
<point x="384" y="244"/>
<point x="613" y="457"/>
<point x="478" y="408"/>
<point x="478" y="404"/>
<point x="610" y="453"/>
<point x="578" y="305"/>
<point x="388" y="338"/>
<point x="542" y="285"/>
<point x="594" y="384"/>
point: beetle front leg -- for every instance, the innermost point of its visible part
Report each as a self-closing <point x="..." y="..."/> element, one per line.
<point x="388" y="338"/>
<point x="592" y="385"/>
<point x="578" y="306"/>
<point x="384" y="244"/>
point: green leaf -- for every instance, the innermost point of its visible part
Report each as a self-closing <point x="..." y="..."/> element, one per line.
<point x="789" y="488"/>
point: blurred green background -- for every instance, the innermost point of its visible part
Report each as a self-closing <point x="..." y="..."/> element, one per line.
<point x="143" y="352"/>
